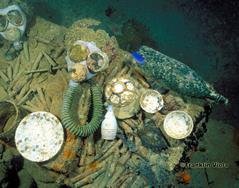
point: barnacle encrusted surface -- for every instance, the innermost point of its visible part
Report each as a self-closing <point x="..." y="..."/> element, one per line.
<point x="5" y="3"/>
<point x="78" y="53"/>
<point x="81" y="30"/>
<point x="176" y="75"/>
<point x="152" y="137"/>
<point x="23" y="4"/>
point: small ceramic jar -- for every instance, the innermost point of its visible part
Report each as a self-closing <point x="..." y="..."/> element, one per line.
<point x="109" y="125"/>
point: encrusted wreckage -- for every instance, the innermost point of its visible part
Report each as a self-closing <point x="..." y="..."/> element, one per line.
<point x="141" y="155"/>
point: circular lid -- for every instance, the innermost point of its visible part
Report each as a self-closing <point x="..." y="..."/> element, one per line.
<point x="178" y="124"/>
<point x="3" y="23"/>
<point x="151" y="101"/>
<point x="39" y="136"/>
<point x="15" y="17"/>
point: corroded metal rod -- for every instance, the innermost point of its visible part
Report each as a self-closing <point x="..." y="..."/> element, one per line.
<point x="44" y="70"/>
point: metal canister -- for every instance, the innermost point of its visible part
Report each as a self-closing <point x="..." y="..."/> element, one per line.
<point x="123" y="94"/>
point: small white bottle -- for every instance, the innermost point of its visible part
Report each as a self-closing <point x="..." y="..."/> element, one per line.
<point x="109" y="125"/>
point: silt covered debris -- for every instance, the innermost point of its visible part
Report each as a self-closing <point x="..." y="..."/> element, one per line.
<point x="141" y="155"/>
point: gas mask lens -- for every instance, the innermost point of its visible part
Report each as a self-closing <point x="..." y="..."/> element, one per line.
<point x="95" y="62"/>
<point x="78" y="53"/>
<point x="15" y="17"/>
<point x="3" y="23"/>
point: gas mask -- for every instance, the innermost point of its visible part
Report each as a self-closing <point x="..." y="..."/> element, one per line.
<point x="84" y="60"/>
<point x="13" y="25"/>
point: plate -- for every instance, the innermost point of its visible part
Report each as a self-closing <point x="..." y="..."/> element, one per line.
<point x="178" y="124"/>
<point x="151" y="101"/>
<point x="39" y="136"/>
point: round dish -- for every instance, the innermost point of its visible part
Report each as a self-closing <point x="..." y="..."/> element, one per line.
<point x="39" y="136"/>
<point x="178" y="124"/>
<point x="151" y="101"/>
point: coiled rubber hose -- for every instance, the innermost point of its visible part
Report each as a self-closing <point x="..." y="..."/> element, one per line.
<point x="68" y="116"/>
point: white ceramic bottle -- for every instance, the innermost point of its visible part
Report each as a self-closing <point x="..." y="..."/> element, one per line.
<point x="109" y="125"/>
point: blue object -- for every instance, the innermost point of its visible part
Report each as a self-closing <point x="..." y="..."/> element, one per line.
<point x="138" y="58"/>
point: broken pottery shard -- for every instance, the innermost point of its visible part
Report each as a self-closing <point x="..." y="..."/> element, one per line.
<point x="176" y="75"/>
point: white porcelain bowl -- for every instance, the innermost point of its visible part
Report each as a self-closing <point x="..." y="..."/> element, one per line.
<point x="151" y="101"/>
<point x="178" y="124"/>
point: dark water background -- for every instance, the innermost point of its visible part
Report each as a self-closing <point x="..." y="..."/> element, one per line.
<point x="200" y="33"/>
